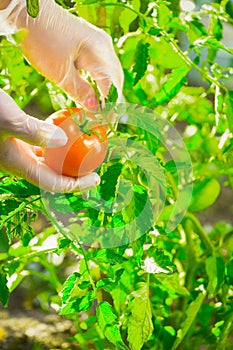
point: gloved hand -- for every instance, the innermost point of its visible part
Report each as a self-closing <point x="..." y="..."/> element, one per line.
<point x="59" y="45"/>
<point x="19" y="157"/>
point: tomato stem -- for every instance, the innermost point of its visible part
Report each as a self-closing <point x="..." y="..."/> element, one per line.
<point x="84" y="124"/>
<point x="79" y="123"/>
<point x="89" y="132"/>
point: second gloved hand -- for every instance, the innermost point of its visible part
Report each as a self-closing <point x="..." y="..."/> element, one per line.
<point x="19" y="133"/>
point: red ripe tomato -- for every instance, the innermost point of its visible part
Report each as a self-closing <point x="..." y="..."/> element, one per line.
<point x="84" y="150"/>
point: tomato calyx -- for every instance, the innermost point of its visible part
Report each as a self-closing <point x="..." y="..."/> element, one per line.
<point x="80" y="123"/>
<point x="91" y="132"/>
<point x="86" y="126"/>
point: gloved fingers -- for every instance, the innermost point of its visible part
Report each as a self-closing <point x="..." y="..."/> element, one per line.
<point x="76" y="86"/>
<point x="18" y="158"/>
<point x="52" y="182"/>
<point x="107" y="74"/>
<point x="96" y="55"/>
<point x="14" y="122"/>
<point x="102" y="82"/>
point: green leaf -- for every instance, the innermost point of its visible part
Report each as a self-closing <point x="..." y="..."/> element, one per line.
<point x="196" y="30"/>
<point x="20" y="188"/>
<point x="87" y="10"/>
<point x="17" y="77"/>
<point x="88" y="2"/>
<point x="74" y="295"/>
<point x="140" y="326"/>
<point x="216" y="28"/>
<point x="138" y="251"/>
<point x="12" y="213"/>
<point x="84" y="285"/>
<point x="107" y="322"/>
<point x="161" y="259"/>
<point x="162" y="53"/>
<point x="78" y="304"/>
<point x="127" y="16"/>
<point x="108" y="284"/>
<point x="69" y="285"/>
<point x="108" y="188"/>
<point x="171" y="284"/>
<point x="67" y="203"/>
<point x="229" y="109"/>
<point x="112" y="94"/>
<point x="8" y="205"/>
<point x="169" y="334"/>
<point x="141" y="60"/>
<point x="191" y="314"/>
<point x="164" y="15"/>
<point x="64" y="243"/>
<point x="107" y="256"/>
<point x="19" y="275"/>
<point x="204" y="194"/>
<point x="215" y="268"/>
<point x="217" y="329"/>
<point x="171" y="87"/>
<point x="4" y="291"/>
<point x="230" y="271"/>
<point x="33" y="8"/>
<point x="138" y="212"/>
<point x="141" y="94"/>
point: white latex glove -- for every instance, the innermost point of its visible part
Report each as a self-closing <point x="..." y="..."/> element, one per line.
<point x="18" y="133"/>
<point x="59" y="44"/>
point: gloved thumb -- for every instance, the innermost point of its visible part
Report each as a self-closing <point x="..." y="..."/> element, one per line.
<point x="38" y="132"/>
<point x="14" y="122"/>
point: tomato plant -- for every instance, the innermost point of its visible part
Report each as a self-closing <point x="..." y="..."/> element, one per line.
<point x="86" y="147"/>
<point x="159" y="288"/>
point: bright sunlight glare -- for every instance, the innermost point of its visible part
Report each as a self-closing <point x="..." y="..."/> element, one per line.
<point x="187" y="5"/>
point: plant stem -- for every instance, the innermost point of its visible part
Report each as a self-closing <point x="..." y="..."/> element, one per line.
<point x="227" y="327"/>
<point x="44" y="277"/>
<point x="76" y="248"/>
<point x="28" y="256"/>
<point x="201" y="233"/>
<point x="190" y="63"/>
<point x="175" y="46"/>
<point x="191" y="255"/>
<point x="173" y="184"/>
<point x="53" y="277"/>
<point x="139" y="14"/>
<point x="191" y="268"/>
